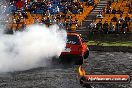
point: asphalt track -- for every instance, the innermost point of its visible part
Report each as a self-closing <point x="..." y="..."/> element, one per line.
<point x="65" y="76"/>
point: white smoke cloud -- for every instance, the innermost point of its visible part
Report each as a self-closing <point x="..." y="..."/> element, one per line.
<point x="31" y="48"/>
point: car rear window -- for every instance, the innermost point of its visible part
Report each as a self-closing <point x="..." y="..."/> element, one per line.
<point x="73" y="39"/>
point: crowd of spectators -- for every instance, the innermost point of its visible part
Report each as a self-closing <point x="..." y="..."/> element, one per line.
<point x="60" y="12"/>
<point x="112" y="23"/>
<point x="122" y="25"/>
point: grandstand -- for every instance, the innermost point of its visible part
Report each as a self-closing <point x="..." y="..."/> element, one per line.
<point x="121" y="12"/>
<point x="68" y="14"/>
<point x="71" y="14"/>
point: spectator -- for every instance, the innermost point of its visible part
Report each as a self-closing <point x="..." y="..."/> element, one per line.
<point x="111" y="28"/>
<point x="18" y="20"/>
<point x="19" y="4"/>
<point x="25" y="15"/>
<point x="47" y="21"/>
<point x="127" y="18"/>
<point x="114" y="19"/>
<point x="37" y="21"/>
<point x="99" y="26"/>
<point x="61" y="25"/>
<point x="129" y="4"/>
<point x="121" y="19"/>
<point x="119" y="11"/>
<point x="90" y="2"/>
<point x="58" y="17"/>
<point x="114" y="11"/>
<point x="92" y="26"/>
<point x="23" y="26"/>
<point x="43" y="20"/>
<point x="117" y="0"/>
<point x="54" y="19"/>
<point x="65" y="10"/>
<point x="124" y="28"/>
<point x="105" y="27"/>
<point x="99" y="16"/>
<point x="118" y="26"/>
<point x="81" y="9"/>
<point x="75" y="10"/>
<point x="103" y="11"/>
<point x="109" y="2"/>
<point x="130" y="11"/>
<point x="108" y="10"/>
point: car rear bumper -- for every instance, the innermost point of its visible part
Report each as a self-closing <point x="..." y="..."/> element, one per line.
<point x="70" y="57"/>
<point x="67" y="56"/>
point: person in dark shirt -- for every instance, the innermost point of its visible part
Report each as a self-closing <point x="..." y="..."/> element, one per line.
<point x="119" y="11"/>
<point x="127" y="18"/>
<point x="130" y="11"/>
<point x="105" y="27"/>
<point x="43" y="20"/>
<point x="81" y="9"/>
<point x="47" y="21"/>
<point x="109" y="2"/>
<point x="114" y="19"/>
<point x="108" y="10"/>
<point x="23" y="26"/>
<point x="99" y="26"/>
<point x="118" y="26"/>
<point x="90" y="2"/>
<point x="124" y="27"/>
<point x="65" y="10"/>
<point x="114" y="11"/>
<point x="25" y="15"/>
<point x="111" y="28"/>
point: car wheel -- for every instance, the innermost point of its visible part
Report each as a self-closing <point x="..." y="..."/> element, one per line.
<point x="80" y="60"/>
<point x="86" y="54"/>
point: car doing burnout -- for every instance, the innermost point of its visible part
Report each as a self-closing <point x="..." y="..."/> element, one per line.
<point x="76" y="49"/>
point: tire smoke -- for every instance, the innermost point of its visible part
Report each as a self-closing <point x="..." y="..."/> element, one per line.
<point x="30" y="48"/>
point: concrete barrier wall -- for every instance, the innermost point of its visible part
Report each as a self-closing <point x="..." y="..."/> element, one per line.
<point x="106" y="37"/>
<point x="110" y="48"/>
<point x="110" y="37"/>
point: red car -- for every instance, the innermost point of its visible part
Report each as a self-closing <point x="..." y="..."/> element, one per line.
<point x="76" y="49"/>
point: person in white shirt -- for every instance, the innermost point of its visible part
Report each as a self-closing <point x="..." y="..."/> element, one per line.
<point x="92" y="26"/>
<point x="121" y="19"/>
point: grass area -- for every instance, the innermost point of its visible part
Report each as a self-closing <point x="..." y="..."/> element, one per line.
<point x="103" y="43"/>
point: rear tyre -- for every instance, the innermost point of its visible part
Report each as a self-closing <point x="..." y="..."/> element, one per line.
<point x="79" y="61"/>
<point x="86" y="54"/>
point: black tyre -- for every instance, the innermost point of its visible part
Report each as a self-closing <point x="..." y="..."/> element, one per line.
<point x="86" y="54"/>
<point x="79" y="60"/>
